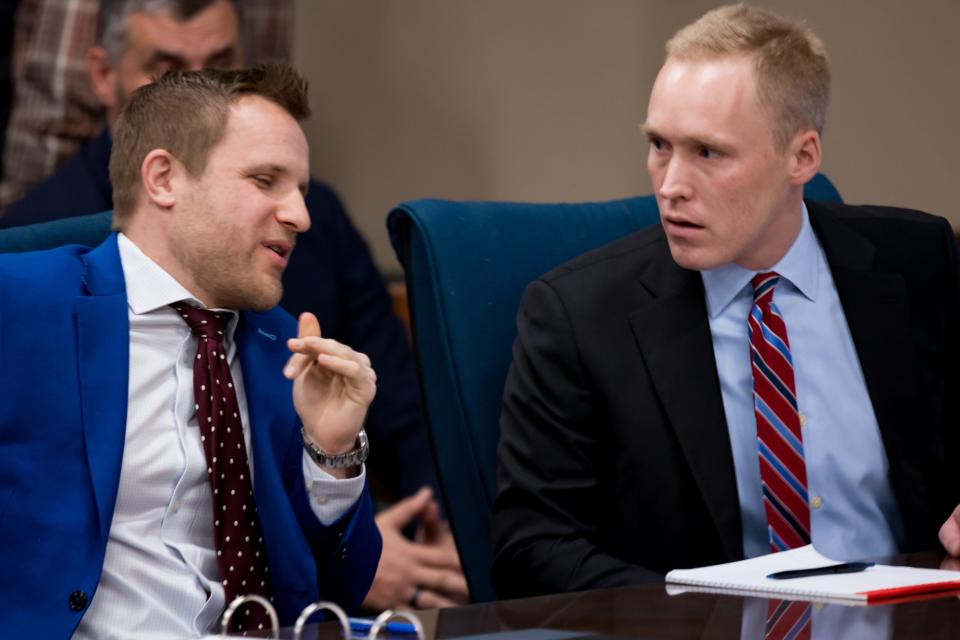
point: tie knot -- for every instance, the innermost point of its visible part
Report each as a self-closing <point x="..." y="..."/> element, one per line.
<point x="203" y="323"/>
<point x="763" y="285"/>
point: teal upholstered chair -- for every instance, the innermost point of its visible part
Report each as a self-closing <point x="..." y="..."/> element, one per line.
<point x="467" y="264"/>
<point x="87" y="230"/>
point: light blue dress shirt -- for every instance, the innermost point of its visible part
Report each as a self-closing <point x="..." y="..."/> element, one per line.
<point x="853" y="513"/>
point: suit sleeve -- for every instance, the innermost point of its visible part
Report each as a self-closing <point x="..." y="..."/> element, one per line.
<point x="549" y="512"/>
<point x="346" y="552"/>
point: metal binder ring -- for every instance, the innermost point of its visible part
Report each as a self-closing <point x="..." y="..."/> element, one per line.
<point x="241" y="600"/>
<point x="381" y="622"/>
<point x="311" y="609"/>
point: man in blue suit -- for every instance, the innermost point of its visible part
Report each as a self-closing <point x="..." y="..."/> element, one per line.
<point x="108" y="497"/>
<point x="331" y="275"/>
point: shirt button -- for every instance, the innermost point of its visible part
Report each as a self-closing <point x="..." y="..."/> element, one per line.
<point x="78" y="601"/>
<point x="816" y="502"/>
<point x="322" y="499"/>
<point x="803" y="420"/>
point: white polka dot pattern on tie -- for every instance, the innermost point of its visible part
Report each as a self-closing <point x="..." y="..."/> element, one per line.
<point x="229" y="481"/>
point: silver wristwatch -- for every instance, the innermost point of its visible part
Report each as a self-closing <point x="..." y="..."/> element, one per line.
<point x="338" y="460"/>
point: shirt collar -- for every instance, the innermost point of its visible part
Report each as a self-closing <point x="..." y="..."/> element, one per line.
<point x="799" y="267"/>
<point x="150" y="287"/>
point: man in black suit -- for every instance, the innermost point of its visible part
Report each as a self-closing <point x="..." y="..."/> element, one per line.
<point x="630" y="426"/>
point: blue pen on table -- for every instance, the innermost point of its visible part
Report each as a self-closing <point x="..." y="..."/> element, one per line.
<point x="399" y="628"/>
<point x="845" y="567"/>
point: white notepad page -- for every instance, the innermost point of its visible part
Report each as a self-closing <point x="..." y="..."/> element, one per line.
<point x="876" y="583"/>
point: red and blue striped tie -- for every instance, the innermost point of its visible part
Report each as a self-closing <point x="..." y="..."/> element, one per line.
<point x="783" y="472"/>
<point x="788" y="620"/>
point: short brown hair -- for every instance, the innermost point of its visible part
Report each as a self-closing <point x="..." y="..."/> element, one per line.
<point x="186" y="112"/>
<point x="792" y="71"/>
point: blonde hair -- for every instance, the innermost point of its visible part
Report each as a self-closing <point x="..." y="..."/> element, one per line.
<point x="792" y="71"/>
<point x="186" y="113"/>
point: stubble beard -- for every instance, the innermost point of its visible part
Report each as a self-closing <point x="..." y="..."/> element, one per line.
<point x="226" y="275"/>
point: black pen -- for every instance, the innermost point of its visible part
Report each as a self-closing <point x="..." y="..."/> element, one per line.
<point x="846" y="567"/>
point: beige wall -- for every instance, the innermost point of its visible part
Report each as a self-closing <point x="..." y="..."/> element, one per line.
<point x="540" y="99"/>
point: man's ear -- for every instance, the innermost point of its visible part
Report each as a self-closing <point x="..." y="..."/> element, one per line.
<point x="157" y="174"/>
<point x="103" y="78"/>
<point x="805" y="154"/>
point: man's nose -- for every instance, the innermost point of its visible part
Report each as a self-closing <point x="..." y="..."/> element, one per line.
<point x="676" y="184"/>
<point x="293" y="212"/>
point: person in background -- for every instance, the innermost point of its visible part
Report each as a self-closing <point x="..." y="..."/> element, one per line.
<point x="54" y="110"/>
<point x="331" y="274"/>
<point x="757" y="373"/>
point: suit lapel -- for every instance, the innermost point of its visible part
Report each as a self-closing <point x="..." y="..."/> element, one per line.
<point x="277" y="456"/>
<point x="674" y="337"/>
<point x="103" y="354"/>
<point x="262" y="356"/>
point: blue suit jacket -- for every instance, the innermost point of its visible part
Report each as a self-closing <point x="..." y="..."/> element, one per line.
<point x="64" y="354"/>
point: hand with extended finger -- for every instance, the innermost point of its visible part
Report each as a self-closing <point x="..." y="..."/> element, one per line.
<point x="333" y="386"/>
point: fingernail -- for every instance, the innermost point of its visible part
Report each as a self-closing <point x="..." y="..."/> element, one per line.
<point x="296" y="343"/>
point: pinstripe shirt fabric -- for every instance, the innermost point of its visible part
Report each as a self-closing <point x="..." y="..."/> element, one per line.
<point x="160" y="575"/>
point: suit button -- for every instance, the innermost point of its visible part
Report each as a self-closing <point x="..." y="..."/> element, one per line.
<point x="343" y="554"/>
<point x="78" y="601"/>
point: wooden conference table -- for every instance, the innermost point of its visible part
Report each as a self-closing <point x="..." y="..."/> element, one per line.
<point x="650" y="612"/>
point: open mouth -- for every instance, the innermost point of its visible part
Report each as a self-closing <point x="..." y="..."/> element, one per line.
<point x="683" y="224"/>
<point x="282" y="249"/>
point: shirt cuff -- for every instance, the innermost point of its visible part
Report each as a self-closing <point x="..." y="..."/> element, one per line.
<point x="331" y="497"/>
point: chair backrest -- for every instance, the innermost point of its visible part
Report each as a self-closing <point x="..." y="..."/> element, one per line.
<point x="467" y="264"/>
<point x="86" y="230"/>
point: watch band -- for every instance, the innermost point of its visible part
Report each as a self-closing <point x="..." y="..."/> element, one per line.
<point x="337" y="460"/>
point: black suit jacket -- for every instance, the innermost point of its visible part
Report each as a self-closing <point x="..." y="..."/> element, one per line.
<point x="615" y="461"/>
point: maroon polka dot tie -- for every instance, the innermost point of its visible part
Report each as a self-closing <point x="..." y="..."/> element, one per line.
<point x="241" y="554"/>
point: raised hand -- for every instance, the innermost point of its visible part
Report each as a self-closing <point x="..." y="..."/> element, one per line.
<point x="333" y="386"/>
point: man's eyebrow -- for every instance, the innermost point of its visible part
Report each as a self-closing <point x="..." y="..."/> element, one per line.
<point x="160" y="56"/>
<point x="228" y="51"/>
<point x="266" y="167"/>
<point x="277" y="169"/>
<point x="176" y="60"/>
<point x="695" y="140"/>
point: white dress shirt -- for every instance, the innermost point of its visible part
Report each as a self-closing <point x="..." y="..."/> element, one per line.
<point x="160" y="576"/>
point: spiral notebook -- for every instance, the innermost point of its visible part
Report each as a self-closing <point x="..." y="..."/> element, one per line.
<point x="877" y="584"/>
